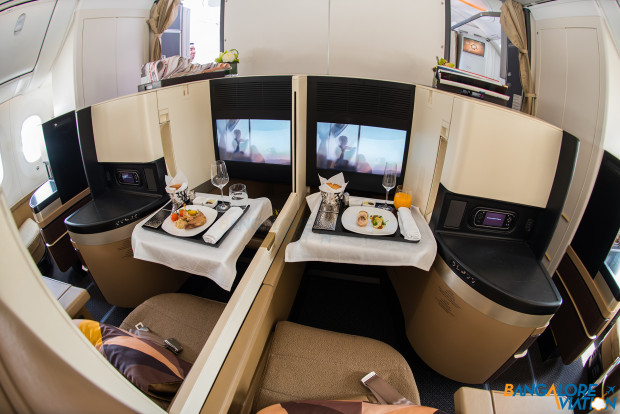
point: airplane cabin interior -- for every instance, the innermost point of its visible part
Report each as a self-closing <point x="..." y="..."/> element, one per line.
<point x="288" y="206"/>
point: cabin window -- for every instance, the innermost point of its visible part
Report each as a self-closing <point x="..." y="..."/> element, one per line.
<point x="32" y="138"/>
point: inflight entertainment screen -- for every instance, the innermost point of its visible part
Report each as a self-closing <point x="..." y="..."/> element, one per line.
<point x="265" y="141"/>
<point x="359" y="148"/>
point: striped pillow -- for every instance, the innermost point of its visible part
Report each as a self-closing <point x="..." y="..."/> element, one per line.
<point x="153" y="369"/>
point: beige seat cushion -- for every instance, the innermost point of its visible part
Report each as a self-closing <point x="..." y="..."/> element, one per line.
<point x="72" y="298"/>
<point x="306" y="363"/>
<point x="29" y="233"/>
<point x="526" y="404"/>
<point x="469" y="400"/>
<point x="187" y="318"/>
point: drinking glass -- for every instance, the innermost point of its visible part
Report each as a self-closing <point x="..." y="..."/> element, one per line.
<point x="219" y="178"/>
<point x="389" y="181"/>
<point x="238" y="195"/>
<point x="403" y="197"/>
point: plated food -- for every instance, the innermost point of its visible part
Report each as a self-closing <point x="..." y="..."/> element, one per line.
<point x="175" y="188"/>
<point x="188" y="219"/>
<point x="370" y="221"/>
<point x="377" y="221"/>
<point x="362" y="218"/>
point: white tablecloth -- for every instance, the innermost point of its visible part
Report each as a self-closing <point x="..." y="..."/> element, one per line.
<point x="216" y="263"/>
<point x="355" y="250"/>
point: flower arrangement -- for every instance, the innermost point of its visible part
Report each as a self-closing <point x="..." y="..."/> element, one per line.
<point x="443" y="62"/>
<point x="228" y="56"/>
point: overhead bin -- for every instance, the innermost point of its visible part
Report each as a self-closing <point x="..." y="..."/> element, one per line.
<point x="24" y="26"/>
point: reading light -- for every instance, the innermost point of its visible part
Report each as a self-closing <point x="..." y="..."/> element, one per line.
<point x="19" y="25"/>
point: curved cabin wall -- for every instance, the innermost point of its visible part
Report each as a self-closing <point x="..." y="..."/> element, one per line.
<point x="396" y="40"/>
<point x="21" y="177"/>
<point x="43" y="354"/>
<point x="575" y="64"/>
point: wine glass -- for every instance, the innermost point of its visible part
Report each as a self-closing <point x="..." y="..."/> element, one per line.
<point x="389" y="181"/>
<point x="219" y="178"/>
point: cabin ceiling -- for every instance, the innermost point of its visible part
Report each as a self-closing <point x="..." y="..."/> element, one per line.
<point x="486" y="27"/>
<point x="32" y="34"/>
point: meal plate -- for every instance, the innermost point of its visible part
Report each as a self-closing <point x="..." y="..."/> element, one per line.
<point x="160" y="221"/>
<point x="169" y="227"/>
<point x="333" y="223"/>
<point x="349" y="221"/>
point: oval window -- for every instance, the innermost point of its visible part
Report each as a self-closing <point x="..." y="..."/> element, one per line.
<point x="32" y="138"/>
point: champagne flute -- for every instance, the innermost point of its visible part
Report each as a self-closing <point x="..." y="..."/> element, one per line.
<point x="219" y="178"/>
<point x="389" y="181"/>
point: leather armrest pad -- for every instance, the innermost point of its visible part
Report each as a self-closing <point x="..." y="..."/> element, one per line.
<point x="472" y="401"/>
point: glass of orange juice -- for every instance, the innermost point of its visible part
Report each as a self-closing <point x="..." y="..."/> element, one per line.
<point x="403" y="197"/>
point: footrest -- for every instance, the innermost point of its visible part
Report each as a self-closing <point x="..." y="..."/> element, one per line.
<point x="73" y="299"/>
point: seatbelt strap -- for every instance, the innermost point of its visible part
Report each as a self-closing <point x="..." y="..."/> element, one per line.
<point x="383" y="391"/>
<point x="144" y="332"/>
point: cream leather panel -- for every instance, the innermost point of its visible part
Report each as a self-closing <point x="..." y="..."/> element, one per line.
<point x="127" y="129"/>
<point x="497" y="153"/>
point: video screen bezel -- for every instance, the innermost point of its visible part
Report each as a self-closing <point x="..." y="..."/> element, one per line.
<point x="249" y="98"/>
<point x="359" y="183"/>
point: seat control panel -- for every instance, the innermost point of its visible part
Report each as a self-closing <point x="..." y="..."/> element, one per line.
<point x="494" y="219"/>
<point x="463" y="274"/>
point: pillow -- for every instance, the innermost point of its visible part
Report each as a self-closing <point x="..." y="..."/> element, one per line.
<point x="345" y="407"/>
<point x="155" y="370"/>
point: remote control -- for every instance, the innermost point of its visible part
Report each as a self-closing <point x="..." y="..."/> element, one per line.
<point x="156" y="221"/>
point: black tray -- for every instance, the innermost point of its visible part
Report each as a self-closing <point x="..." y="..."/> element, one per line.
<point x="198" y="237"/>
<point x="339" y="229"/>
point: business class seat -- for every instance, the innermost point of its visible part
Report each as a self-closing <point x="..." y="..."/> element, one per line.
<point x="188" y="319"/>
<point x="305" y="363"/>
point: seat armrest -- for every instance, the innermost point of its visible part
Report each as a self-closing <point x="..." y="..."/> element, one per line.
<point x="533" y="404"/>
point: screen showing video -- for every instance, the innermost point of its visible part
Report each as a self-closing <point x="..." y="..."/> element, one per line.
<point x="359" y="148"/>
<point x="473" y="46"/>
<point x="265" y="141"/>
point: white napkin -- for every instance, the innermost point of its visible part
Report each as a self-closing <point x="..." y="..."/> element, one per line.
<point x="217" y="230"/>
<point x="180" y="178"/>
<point x="408" y="227"/>
<point x="336" y="179"/>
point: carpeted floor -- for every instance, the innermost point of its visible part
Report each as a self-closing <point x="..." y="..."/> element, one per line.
<point x="360" y="300"/>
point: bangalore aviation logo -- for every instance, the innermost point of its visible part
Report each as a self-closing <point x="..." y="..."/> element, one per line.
<point x="571" y="396"/>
